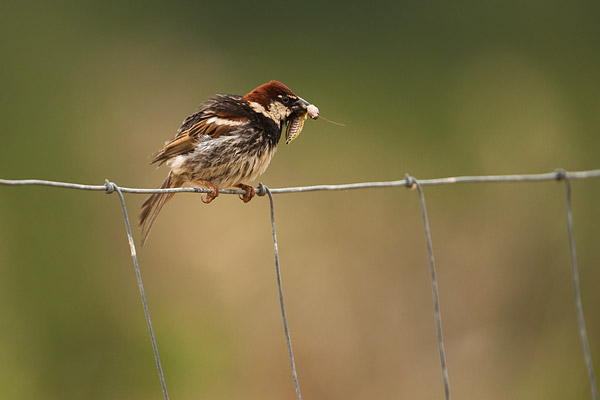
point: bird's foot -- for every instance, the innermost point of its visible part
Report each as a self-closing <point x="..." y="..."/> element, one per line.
<point x="250" y="192"/>
<point x="214" y="191"/>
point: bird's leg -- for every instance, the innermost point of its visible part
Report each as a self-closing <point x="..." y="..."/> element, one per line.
<point x="214" y="190"/>
<point x="250" y="192"/>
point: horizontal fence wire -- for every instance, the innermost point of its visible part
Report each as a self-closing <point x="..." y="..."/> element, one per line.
<point x="409" y="182"/>
<point x="556" y="175"/>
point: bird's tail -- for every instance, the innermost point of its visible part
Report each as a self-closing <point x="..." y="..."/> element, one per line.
<point x="155" y="203"/>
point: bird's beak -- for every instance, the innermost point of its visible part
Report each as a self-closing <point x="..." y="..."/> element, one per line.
<point x="300" y="104"/>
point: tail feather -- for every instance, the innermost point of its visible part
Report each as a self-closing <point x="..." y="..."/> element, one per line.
<point x="155" y="203"/>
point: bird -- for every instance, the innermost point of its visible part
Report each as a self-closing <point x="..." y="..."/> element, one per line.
<point x="228" y="142"/>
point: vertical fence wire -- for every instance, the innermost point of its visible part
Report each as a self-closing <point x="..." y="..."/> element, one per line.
<point x="410" y="181"/>
<point x="110" y="187"/>
<point x="577" y="289"/>
<point x="262" y="190"/>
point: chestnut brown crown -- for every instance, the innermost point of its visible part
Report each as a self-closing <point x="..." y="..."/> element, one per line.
<point x="268" y="92"/>
<point x="276" y="101"/>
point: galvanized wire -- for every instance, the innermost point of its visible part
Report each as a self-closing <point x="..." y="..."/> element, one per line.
<point x="409" y="181"/>
<point x="109" y="188"/>
<point x="577" y="289"/>
<point x="556" y="175"/>
<point x="262" y="189"/>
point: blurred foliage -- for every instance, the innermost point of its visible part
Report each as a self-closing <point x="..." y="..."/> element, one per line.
<point x="90" y="89"/>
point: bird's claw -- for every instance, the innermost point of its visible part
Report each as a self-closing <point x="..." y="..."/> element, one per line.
<point x="250" y="192"/>
<point x="211" y="196"/>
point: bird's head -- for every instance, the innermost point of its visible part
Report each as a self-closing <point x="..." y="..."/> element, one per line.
<point x="276" y="101"/>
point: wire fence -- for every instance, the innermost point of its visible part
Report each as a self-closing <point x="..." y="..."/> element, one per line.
<point x="408" y="182"/>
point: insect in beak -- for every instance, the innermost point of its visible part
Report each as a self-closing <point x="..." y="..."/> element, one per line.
<point x="296" y="122"/>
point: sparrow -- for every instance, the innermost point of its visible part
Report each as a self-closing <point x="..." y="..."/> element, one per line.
<point x="228" y="142"/>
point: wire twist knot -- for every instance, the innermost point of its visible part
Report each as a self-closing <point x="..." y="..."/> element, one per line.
<point x="561" y="175"/>
<point x="261" y="190"/>
<point x="411" y="182"/>
<point x="110" y="186"/>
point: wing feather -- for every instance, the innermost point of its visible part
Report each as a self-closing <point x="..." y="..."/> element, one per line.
<point x="222" y="116"/>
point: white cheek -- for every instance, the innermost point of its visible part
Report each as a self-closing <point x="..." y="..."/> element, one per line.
<point x="278" y="111"/>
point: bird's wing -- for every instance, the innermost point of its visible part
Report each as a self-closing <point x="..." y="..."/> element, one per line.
<point x="224" y="115"/>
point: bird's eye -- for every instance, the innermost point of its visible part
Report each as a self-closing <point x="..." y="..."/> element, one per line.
<point x="285" y="99"/>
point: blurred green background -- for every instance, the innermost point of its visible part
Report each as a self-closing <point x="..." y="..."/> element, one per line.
<point x="89" y="90"/>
